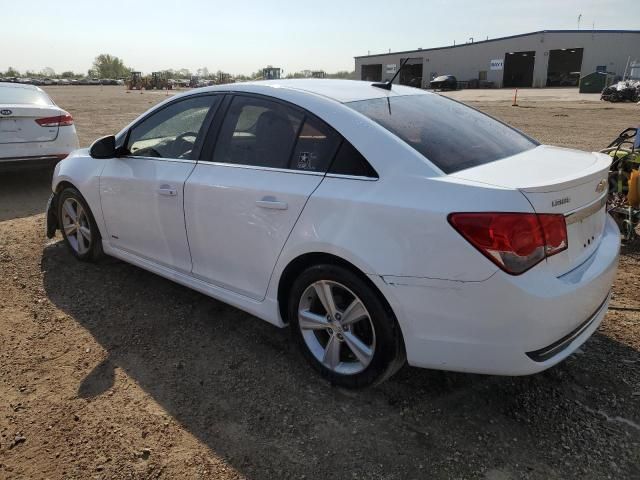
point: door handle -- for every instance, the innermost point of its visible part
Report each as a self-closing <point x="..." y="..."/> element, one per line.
<point x="168" y="190"/>
<point x="272" y="203"/>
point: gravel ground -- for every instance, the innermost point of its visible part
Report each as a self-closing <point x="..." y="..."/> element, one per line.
<point x="110" y="372"/>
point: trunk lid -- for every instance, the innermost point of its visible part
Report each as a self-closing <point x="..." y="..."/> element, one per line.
<point x="18" y="123"/>
<point x="557" y="180"/>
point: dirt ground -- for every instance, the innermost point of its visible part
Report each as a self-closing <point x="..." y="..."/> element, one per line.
<point x="110" y="372"/>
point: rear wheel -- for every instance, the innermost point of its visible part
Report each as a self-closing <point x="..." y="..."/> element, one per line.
<point x="343" y="327"/>
<point x="78" y="227"/>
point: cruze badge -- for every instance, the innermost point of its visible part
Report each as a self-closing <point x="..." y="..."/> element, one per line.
<point x="601" y="186"/>
<point x="5" y="112"/>
<point x="560" y="201"/>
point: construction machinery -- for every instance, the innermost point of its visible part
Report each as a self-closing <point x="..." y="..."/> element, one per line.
<point x="224" y="78"/>
<point x="623" y="202"/>
<point x="135" y="81"/>
<point x="158" y="81"/>
<point x="271" y="73"/>
<point x="155" y="81"/>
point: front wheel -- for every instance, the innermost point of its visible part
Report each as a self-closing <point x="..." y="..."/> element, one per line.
<point x="344" y="328"/>
<point x="78" y="227"/>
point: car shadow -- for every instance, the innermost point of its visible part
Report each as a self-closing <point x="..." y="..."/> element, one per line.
<point x="24" y="193"/>
<point x="240" y="387"/>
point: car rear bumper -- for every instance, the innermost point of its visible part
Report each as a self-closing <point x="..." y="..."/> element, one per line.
<point x="18" y="156"/>
<point x="21" y="163"/>
<point x="504" y="325"/>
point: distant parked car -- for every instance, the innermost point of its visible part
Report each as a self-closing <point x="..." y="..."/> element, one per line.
<point x="444" y="82"/>
<point x="377" y="223"/>
<point x="34" y="131"/>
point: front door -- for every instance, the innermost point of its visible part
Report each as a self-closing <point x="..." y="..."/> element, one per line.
<point x="142" y="193"/>
<point x="241" y="206"/>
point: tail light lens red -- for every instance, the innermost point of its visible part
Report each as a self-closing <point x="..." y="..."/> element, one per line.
<point x="57" y="121"/>
<point x="514" y="241"/>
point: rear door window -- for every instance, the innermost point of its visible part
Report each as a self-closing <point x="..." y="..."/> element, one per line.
<point x="449" y="134"/>
<point x="258" y="132"/>
<point x="315" y="147"/>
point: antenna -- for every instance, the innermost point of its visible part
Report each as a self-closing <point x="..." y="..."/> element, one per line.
<point x="579" y="18"/>
<point x="387" y="85"/>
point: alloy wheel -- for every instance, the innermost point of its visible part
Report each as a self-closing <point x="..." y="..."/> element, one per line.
<point x="76" y="225"/>
<point x="336" y="327"/>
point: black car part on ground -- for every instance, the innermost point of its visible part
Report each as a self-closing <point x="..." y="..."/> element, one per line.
<point x="626" y="91"/>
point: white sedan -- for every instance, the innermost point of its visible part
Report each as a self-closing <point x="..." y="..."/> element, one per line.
<point x="380" y="225"/>
<point x="34" y="131"/>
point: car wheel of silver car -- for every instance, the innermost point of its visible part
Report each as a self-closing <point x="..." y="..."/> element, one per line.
<point x="346" y="331"/>
<point x="78" y="227"/>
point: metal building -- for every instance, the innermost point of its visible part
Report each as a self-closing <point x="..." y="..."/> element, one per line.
<point x="536" y="59"/>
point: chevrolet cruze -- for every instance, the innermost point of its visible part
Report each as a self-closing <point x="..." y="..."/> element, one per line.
<point x="382" y="225"/>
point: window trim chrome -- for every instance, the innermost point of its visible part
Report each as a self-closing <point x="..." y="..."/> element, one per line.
<point x="256" y="167"/>
<point x="352" y="177"/>
<point x="176" y="160"/>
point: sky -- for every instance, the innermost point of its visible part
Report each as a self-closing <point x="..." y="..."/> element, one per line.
<point x="244" y="36"/>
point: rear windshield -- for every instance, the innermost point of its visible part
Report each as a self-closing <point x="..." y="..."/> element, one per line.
<point x="449" y="134"/>
<point x="17" y="95"/>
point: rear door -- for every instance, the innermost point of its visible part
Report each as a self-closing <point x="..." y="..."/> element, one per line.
<point x="142" y="193"/>
<point x="242" y="203"/>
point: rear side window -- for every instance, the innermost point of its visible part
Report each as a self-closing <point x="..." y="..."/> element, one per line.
<point x="258" y="132"/>
<point x="449" y="134"/>
<point x="350" y="161"/>
<point x="316" y="146"/>
<point x="19" y="95"/>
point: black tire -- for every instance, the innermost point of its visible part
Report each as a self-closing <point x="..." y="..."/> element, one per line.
<point x="92" y="249"/>
<point x="388" y="354"/>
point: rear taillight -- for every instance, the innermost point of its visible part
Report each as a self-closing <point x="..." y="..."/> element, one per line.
<point x="513" y="241"/>
<point x="57" y="121"/>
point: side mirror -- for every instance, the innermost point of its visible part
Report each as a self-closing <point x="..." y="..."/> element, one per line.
<point x="104" y="147"/>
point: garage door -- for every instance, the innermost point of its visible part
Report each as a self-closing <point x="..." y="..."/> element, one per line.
<point x="518" y="69"/>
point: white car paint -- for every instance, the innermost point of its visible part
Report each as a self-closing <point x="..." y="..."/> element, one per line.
<point x="456" y="309"/>
<point x="150" y="190"/>
<point x="23" y="142"/>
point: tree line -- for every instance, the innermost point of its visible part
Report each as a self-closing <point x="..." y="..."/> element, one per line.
<point x="110" y="66"/>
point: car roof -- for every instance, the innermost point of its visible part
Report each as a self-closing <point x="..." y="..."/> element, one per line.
<point x="24" y="86"/>
<point x="339" y="90"/>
